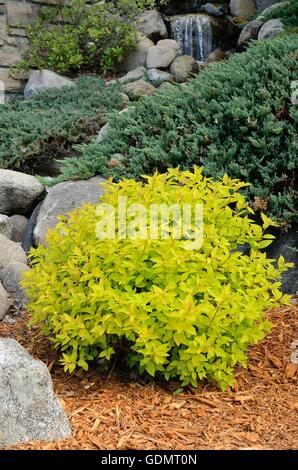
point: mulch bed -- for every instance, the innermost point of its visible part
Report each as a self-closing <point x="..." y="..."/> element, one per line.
<point x="105" y="413"/>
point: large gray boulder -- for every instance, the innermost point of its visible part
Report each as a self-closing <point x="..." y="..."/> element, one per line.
<point x="11" y="277"/>
<point x="151" y="24"/>
<point x="138" y="57"/>
<point x="62" y="199"/>
<point x="41" y="80"/>
<point x="242" y="8"/>
<point x="30" y="411"/>
<point x="10" y="252"/>
<point x="249" y="33"/>
<point x="183" y="67"/>
<point x="270" y="29"/>
<point x="18" y="192"/>
<point x="5" y="304"/>
<point x="6" y="227"/>
<point x="160" y="57"/>
<point x="170" y="43"/>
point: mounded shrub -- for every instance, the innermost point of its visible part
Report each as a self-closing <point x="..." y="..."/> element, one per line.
<point x="236" y="117"/>
<point x="167" y="309"/>
<point x="54" y="120"/>
<point x="80" y="35"/>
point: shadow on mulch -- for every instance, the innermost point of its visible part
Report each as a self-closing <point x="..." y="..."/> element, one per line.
<point x="113" y="412"/>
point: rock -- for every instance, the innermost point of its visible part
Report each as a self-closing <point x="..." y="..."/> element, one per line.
<point x="151" y="24"/>
<point x="242" y="8"/>
<point x="19" y="224"/>
<point x="156" y="75"/>
<point x="11" y="276"/>
<point x="139" y="88"/>
<point x="102" y="133"/>
<point x="62" y="199"/>
<point x="12" y="85"/>
<point x="138" y="57"/>
<point x="180" y="7"/>
<point x="125" y="98"/>
<point x="213" y="10"/>
<point x="216" y="56"/>
<point x="18" y="192"/>
<point x="270" y="29"/>
<point x="170" y="43"/>
<point x="27" y="240"/>
<point x="105" y="129"/>
<point x="9" y="56"/>
<point x="160" y="57"/>
<point x="286" y="245"/>
<point x="111" y="82"/>
<point x="2" y="25"/>
<point x="41" y="80"/>
<point x="6" y="227"/>
<point x="249" y="32"/>
<point x="133" y="75"/>
<point x="183" y="67"/>
<point x="5" y="304"/>
<point x="10" y="252"/>
<point x="262" y="5"/>
<point x="30" y="411"/>
<point x="165" y="87"/>
<point x="230" y="53"/>
<point x="20" y="13"/>
<point x="116" y="160"/>
<point x="271" y="8"/>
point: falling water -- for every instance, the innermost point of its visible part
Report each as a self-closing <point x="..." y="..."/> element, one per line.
<point x="194" y="34"/>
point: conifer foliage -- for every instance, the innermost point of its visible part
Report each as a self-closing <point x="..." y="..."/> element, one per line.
<point x="236" y="117"/>
<point x="53" y="121"/>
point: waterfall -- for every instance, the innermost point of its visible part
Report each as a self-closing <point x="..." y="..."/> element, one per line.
<point x="194" y="34"/>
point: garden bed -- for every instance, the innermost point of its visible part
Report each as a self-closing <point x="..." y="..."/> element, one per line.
<point x="105" y="413"/>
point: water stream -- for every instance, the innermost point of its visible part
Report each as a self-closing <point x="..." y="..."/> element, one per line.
<point x="194" y="33"/>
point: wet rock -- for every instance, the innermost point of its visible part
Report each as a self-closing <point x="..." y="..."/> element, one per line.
<point x="183" y="67"/>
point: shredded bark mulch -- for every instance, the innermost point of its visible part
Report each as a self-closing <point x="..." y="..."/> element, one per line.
<point x="106" y="413"/>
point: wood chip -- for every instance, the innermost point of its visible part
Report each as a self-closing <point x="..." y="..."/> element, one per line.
<point x="106" y="414"/>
